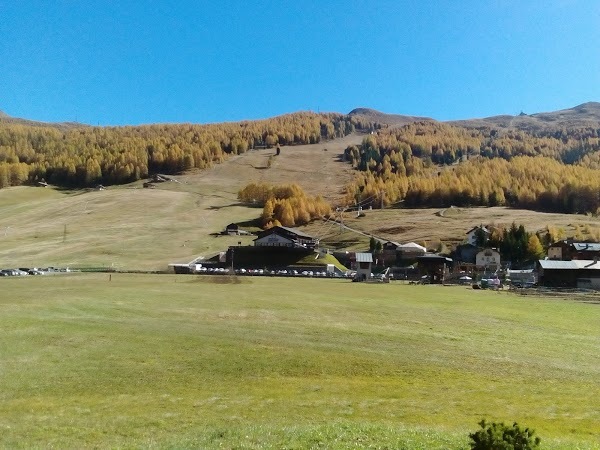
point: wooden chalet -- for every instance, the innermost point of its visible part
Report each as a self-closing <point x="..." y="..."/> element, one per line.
<point x="280" y="236"/>
<point x="434" y="268"/>
<point x="568" y="250"/>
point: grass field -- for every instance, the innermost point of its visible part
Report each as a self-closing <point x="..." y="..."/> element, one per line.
<point x="217" y="362"/>
<point x="132" y="228"/>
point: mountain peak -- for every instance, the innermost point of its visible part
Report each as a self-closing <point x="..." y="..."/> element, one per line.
<point x="384" y="118"/>
<point x="363" y="111"/>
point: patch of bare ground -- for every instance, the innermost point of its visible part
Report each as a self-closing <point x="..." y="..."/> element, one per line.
<point x="393" y="230"/>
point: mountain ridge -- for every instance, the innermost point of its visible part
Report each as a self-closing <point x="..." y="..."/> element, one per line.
<point x="6" y="118"/>
<point x="385" y="118"/>
<point x="584" y="114"/>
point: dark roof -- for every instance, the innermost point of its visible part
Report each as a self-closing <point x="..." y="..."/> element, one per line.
<point x="433" y="257"/>
<point x="288" y="233"/>
<point x="294" y="231"/>
<point x="485" y="230"/>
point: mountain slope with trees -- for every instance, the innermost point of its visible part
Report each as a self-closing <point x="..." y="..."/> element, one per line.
<point x="545" y="161"/>
<point x="438" y="164"/>
<point x="82" y="156"/>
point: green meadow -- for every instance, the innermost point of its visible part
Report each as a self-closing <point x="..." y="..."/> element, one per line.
<point x="165" y="361"/>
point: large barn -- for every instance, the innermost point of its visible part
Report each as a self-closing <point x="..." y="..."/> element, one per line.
<point x="580" y="273"/>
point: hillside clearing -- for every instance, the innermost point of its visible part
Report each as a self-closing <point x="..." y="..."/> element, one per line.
<point x="316" y="168"/>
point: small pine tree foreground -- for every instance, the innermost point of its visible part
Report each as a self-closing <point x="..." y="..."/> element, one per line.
<point x="498" y="436"/>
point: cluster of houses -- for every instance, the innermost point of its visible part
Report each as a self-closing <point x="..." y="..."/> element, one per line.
<point x="569" y="263"/>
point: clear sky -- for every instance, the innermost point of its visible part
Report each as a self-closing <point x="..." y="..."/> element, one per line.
<point x="132" y="62"/>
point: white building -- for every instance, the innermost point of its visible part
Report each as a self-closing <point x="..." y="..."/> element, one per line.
<point x="488" y="259"/>
<point x="472" y="234"/>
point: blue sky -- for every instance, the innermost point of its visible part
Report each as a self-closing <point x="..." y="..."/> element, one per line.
<point x="134" y="62"/>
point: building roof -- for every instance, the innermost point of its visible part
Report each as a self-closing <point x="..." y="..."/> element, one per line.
<point x="285" y="231"/>
<point x="364" y="257"/>
<point x="517" y="272"/>
<point x="412" y="246"/>
<point x="575" y="264"/>
<point x="434" y="257"/>
<point x="269" y="236"/>
<point x="294" y="231"/>
<point x="586" y="246"/>
<point x="485" y="230"/>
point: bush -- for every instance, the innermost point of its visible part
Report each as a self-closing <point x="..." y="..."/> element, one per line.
<point x="498" y="436"/>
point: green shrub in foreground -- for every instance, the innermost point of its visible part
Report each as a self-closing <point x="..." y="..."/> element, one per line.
<point x="498" y="436"/>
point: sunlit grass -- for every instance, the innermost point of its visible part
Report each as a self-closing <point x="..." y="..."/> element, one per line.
<point x="185" y="361"/>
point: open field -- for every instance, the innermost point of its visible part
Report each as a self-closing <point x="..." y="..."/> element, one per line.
<point x="133" y="228"/>
<point x="185" y="361"/>
<point x="121" y="227"/>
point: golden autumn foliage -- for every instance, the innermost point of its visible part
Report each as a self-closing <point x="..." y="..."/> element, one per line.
<point x="84" y="155"/>
<point x="433" y="164"/>
<point x="286" y="205"/>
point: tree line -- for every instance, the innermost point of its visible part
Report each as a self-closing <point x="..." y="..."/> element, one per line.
<point x="514" y="243"/>
<point x="286" y="205"/>
<point x="434" y="164"/>
<point x="80" y="156"/>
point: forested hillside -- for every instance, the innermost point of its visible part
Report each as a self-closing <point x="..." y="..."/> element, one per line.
<point x="436" y="164"/>
<point x="546" y="161"/>
<point x="80" y="156"/>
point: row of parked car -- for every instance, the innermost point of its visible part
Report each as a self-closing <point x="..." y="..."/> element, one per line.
<point x="282" y="272"/>
<point x="19" y="272"/>
<point x="263" y="272"/>
<point x="24" y="271"/>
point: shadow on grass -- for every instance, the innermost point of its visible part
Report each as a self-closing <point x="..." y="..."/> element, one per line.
<point x="220" y="279"/>
<point x="253" y="223"/>
<point x="217" y="208"/>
